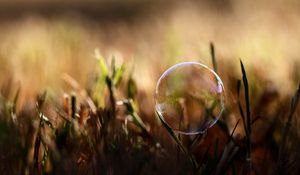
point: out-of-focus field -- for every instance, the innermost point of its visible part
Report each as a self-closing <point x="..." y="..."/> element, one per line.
<point x="37" y="49"/>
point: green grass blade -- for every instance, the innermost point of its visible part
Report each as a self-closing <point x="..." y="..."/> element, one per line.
<point x="131" y="88"/>
<point x="102" y="63"/>
<point x="118" y="75"/>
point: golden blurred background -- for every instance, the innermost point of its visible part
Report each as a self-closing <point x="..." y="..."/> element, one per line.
<point x="43" y="40"/>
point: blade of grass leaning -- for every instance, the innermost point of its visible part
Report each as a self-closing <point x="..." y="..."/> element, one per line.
<point x="286" y="130"/>
<point x="117" y="77"/>
<point x="136" y="118"/>
<point x="212" y="162"/>
<point x="228" y="153"/>
<point x="190" y="157"/>
<point x="196" y="140"/>
<point x="102" y="63"/>
<point x="204" y="155"/>
<point x="102" y="79"/>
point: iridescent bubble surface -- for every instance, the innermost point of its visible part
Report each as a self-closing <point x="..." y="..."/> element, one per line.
<point x="189" y="97"/>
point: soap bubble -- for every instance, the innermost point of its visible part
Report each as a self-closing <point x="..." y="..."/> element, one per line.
<point x="189" y="98"/>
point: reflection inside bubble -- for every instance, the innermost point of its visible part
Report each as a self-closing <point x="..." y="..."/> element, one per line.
<point x="189" y="97"/>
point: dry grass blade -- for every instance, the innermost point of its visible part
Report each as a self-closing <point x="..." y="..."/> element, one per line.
<point x="213" y="57"/>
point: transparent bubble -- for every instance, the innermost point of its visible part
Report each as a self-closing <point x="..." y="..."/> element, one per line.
<point x="189" y="97"/>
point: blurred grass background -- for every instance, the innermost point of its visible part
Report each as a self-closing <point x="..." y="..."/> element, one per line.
<point x="41" y="40"/>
